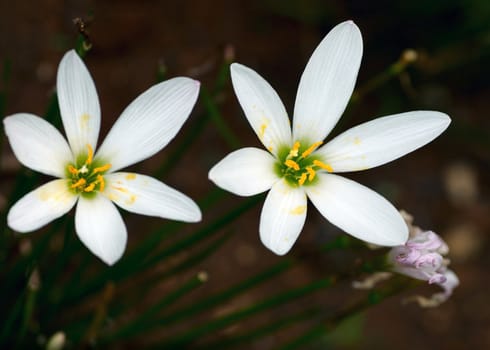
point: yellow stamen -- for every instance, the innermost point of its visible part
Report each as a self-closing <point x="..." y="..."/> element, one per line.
<point x="101" y="182"/>
<point x="322" y="165"/>
<point x="101" y="169"/>
<point x="311" y="173"/>
<point x="294" y="151"/>
<point x="313" y="147"/>
<point x="302" y="179"/>
<point x="292" y="164"/>
<point x="90" y="155"/>
<point x="90" y="187"/>
<point x="79" y="183"/>
<point x="72" y="170"/>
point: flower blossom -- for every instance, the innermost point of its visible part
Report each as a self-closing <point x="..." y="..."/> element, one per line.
<point x="90" y="178"/>
<point x="423" y="257"/>
<point x="297" y="165"/>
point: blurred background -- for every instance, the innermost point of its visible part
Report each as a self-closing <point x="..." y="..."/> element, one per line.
<point x="444" y="185"/>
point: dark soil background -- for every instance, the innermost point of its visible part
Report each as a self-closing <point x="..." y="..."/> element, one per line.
<point x="444" y="185"/>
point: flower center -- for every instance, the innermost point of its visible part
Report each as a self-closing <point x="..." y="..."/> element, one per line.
<point x="86" y="176"/>
<point x="298" y="166"/>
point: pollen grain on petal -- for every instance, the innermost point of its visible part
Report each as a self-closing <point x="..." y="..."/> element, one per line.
<point x="130" y="176"/>
<point x="131" y="199"/>
<point x="300" y="209"/>
<point x="120" y="189"/>
<point x="262" y="130"/>
<point x="84" y="120"/>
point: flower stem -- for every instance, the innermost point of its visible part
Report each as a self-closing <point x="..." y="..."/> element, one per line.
<point x="185" y="339"/>
<point x="138" y="324"/>
<point x="329" y="323"/>
<point x="230" y="138"/>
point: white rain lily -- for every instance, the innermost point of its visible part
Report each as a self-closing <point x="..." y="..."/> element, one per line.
<point x="92" y="179"/>
<point x="296" y="167"/>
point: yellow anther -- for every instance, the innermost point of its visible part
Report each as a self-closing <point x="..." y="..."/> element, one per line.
<point x="313" y="147"/>
<point x="311" y="173"/>
<point x="322" y="165"/>
<point x="101" y="182"/>
<point x="292" y="164"/>
<point x="302" y="179"/>
<point x="101" y="169"/>
<point x="294" y="151"/>
<point x="90" y="187"/>
<point x="72" y="170"/>
<point x="79" y="183"/>
<point x="90" y="155"/>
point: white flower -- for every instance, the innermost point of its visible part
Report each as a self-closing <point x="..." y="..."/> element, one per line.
<point x="93" y="179"/>
<point x="296" y="167"/>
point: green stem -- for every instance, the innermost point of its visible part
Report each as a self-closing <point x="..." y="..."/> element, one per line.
<point x="406" y="59"/>
<point x="205" y="232"/>
<point x="282" y="323"/>
<point x="213" y="300"/>
<point x="230" y="138"/>
<point x="155" y="309"/>
<point x="121" y="271"/>
<point x="328" y="324"/>
<point x="30" y="302"/>
<point x="189" y="337"/>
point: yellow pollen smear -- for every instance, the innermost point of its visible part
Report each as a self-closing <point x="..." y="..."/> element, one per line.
<point x="292" y="164"/>
<point x="72" y="170"/>
<point x="90" y="187"/>
<point x="262" y="130"/>
<point x="120" y="189"/>
<point x="131" y="199"/>
<point x="130" y="176"/>
<point x="311" y="173"/>
<point x="101" y="182"/>
<point x="322" y="165"/>
<point x="302" y="179"/>
<point x="90" y="155"/>
<point x="294" y="151"/>
<point x="310" y="150"/>
<point x="101" y="169"/>
<point x="300" y="209"/>
<point x="79" y="183"/>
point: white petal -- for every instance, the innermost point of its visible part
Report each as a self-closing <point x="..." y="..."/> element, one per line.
<point x="147" y="196"/>
<point x="41" y="206"/>
<point x="327" y="83"/>
<point x="101" y="228"/>
<point x="79" y="103"/>
<point x="37" y="144"/>
<point x="382" y="140"/>
<point x="149" y="122"/>
<point x="282" y="217"/>
<point x="262" y="107"/>
<point x="245" y="172"/>
<point x="358" y="210"/>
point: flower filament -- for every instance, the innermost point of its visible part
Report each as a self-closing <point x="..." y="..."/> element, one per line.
<point x="87" y="176"/>
<point x="298" y="166"/>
